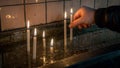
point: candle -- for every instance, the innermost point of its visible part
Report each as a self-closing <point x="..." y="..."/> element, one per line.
<point x="71" y="30"/>
<point x="34" y="44"/>
<point x="51" y="43"/>
<point x="28" y="44"/>
<point x="44" y="47"/>
<point x="28" y="36"/>
<point x="51" y="50"/>
<point x="51" y="46"/>
<point x="65" y="28"/>
<point x="44" y="40"/>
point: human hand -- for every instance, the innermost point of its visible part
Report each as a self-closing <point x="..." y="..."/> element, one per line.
<point x="83" y="18"/>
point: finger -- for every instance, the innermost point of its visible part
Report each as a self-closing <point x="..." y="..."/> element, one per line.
<point x="75" y="23"/>
<point x="79" y="26"/>
<point x="84" y="26"/>
<point x="76" y="15"/>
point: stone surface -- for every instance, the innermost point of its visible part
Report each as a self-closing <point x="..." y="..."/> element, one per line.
<point x="87" y="40"/>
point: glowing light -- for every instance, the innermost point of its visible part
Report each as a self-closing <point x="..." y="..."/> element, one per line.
<point x="52" y="41"/>
<point x="35" y="31"/>
<point x="8" y="16"/>
<point x="65" y="15"/>
<point x="71" y="10"/>
<point x="28" y="24"/>
<point x="43" y="34"/>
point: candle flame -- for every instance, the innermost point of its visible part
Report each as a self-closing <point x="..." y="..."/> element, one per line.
<point x="52" y="41"/>
<point x="28" y="24"/>
<point x="43" y="34"/>
<point x="65" y="15"/>
<point x="35" y="31"/>
<point x="71" y="10"/>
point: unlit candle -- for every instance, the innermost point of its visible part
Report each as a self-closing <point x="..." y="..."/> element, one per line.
<point x="34" y="44"/>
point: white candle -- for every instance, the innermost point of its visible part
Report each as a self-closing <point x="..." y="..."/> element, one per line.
<point x="52" y="42"/>
<point x="65" y="28"/>
<point x="51" y="50"/>
<point x="44" y="47"/>
<point x="44" y="40"/>
<point x="71" y="30"/>
<point x="28" y="37"/>
<point x="28" y="44"/>
<point x="51" y="46"/>
<point x="34" y="44"/>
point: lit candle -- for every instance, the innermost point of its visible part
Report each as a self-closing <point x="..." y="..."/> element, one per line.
<point x="44" y="40"/>
<point x="51" y="50"/>
<point x="28" y="44"/>
<point x="44" y="47"/>
<point x="34" y="44"/>
<point x="51" y="45"/>
<point x="71" y="30"/>
<point x="28" y="37"/>
<point x="65" y="28"/>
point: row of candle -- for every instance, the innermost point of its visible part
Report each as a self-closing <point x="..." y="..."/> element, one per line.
<point x="65" y="26"/>
<point x="44" y="41"/>
<point x="35" y="41"/>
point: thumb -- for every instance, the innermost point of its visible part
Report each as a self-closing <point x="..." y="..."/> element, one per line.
<point x="75" y="23"/>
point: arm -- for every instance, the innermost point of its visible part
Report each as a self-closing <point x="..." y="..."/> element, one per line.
<point x="102" y="17"/>
<point x="108" y="18"/>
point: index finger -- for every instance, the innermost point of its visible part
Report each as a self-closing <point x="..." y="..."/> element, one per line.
<point x="76" y="15"/>
<point x="75" y="23"/>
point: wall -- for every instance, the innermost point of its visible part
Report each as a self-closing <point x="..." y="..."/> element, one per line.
<point x="15" y="13"/>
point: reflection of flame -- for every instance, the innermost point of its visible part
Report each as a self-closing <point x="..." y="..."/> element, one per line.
<point x="8" y="16"/>
<point x="43" y="34"/>
<point x="44" y="59"/>
<point x="51" y="61"/>
<point x="13" y="17"/>
<point x="35" y="31"/>
<point x="52" y="41"/>
<point x="65" y="15"/>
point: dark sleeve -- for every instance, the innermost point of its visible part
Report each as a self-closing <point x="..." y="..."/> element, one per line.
<point x="108" y="18"/>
